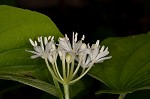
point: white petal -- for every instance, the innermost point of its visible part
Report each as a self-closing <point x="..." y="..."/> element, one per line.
<point x="53" y="47"/>
<point x="77" y="46"/>
<point x="48" y="46"/>
<point x="83" y="60"/>
<point x="34" y="56"/>
<point x="33" y="52"/>
<point x="60" y="54"/>
<point x="87" y="50"/>
<point x="94" y="53"/>
<point x="88" y="60"/>
<point x="38" y="49"/>
<point x="102" y="54"/>
<point x="65" y="44"/>
<point x="55" y="54"/>
<point x="102" y="59"/>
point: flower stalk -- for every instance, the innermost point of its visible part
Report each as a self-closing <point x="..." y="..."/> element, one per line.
<point x="73" y="56"/>
<point x="66" y="91"/>
<point x="60" y="94"/>
<point x="121" y="96"/>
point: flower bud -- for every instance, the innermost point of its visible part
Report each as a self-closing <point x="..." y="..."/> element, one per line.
<point x="68" y="58"/>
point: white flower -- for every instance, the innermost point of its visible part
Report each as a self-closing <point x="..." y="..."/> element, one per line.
<point x="96" y="55"/>
<point x="43" y="49"/>
<point x="86" y="61"/>
<point x="84" y="54"/>
<point x="66" y="47"/>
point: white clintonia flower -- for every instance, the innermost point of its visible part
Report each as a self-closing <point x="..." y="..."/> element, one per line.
<point x="96" y="55"/>
<point x="66" y="47"/>
<point x="45" y="48"/>
<point x="84" y="54"/>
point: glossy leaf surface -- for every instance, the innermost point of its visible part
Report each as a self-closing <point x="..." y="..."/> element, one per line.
<point x="129" y="68"/>
<point x="16" y="27"/>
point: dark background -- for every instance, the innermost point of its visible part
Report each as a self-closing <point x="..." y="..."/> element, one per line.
<point x="96" y="19"/>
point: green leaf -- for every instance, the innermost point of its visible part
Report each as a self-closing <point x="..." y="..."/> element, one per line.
<point x="17" y="26"/>
<point x="129" y="68"/>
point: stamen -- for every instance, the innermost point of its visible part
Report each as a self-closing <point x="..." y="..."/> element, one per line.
<point x="35" y="42"/>
<point x="102" y="49"/>
<point x="66" y="37"/>
<point x="83" y="37"/>
<point x="49" y="37"/>
<point x="42" y="46"/>
<point x="97" y="43"/>
<point x="76" y="37"/>
<point x="52" y="38"/>
<point x="31" y="42"/>
<point x="39" y="40"/>
<point x="45" y="40"/>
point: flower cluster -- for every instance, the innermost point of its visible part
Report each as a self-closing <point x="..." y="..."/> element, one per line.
<point x="72" y="55"/>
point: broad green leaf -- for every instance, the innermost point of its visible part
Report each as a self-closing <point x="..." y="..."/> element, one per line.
<point x="129" y="68"/>
<point x="16" y="27"/>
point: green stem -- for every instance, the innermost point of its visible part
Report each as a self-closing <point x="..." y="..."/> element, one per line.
<point x="72" y="68"/>
<point x="51" y="71"/>
<point x="83" y="70"/>
<point x="58" y="89"/>
<point x="66" y="91"/>
<point x="73" y="81"/>
<point x="58" y="71"/>
<point x="64" y="67"/>
<point x="68" y="70"/>
<point x="76" y="70"/>
<point x="121" y="96"/>
<point x="54" y="69"/>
